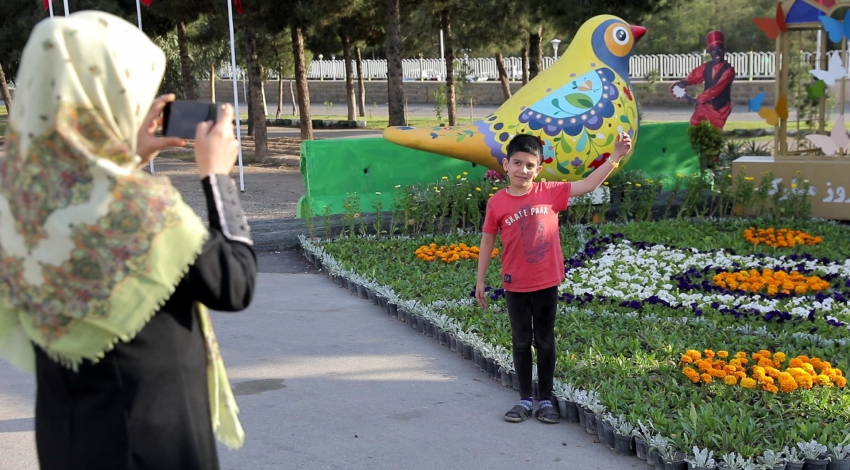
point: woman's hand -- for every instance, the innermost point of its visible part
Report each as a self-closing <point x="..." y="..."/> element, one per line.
<point x="622" y="145"/>
<point x="215" y="144"/>
<point x="480" y="295"/>
<point x="148" y="144"/>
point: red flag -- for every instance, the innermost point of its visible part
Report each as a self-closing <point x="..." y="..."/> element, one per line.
<point x="147" y="2"/>
<point x="238" y="5"/>
<point x="47" y="4"/>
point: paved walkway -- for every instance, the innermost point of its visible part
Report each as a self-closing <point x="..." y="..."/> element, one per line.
<point x="326" y="380"/>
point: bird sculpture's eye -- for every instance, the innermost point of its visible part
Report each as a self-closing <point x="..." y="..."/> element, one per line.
<point x="621" y="35"/>
<point x="619" y="40"/>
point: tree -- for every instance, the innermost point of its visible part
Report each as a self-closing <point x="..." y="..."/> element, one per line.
<point x="395" y="84"/>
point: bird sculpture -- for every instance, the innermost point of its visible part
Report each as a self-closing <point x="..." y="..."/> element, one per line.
<point x="576" y="107"/>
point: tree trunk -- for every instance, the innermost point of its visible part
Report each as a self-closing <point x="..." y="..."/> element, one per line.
<point x="279" y="92"/>
<point x="212" y="83"/>
<point x="256" y="96"/>
<point x="4" y="91"/>
<point x="395" y="83"/>
<point x="503" y="76"/>
<point x="361" y="87"/>
<point x="185" y="62"/>
<point x="536" y="52"/>
<point x="292" y="97"/>
<point x="349" y="75"/>
<point x="301" y="83"/>
<point x="524" y="54"/>
<point x="451" y="99"/>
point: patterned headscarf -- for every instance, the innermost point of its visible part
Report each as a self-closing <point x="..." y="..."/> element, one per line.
<point x="90" y="246"/>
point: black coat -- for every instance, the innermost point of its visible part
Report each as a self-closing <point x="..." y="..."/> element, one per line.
<point x="145" y="405"/>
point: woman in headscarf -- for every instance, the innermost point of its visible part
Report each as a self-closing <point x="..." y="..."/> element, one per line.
<point x="105" y="273"/>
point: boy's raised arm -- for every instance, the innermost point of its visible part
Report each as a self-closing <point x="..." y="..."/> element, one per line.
<point x="488" y="241"/>
<point x="622" y="146"/>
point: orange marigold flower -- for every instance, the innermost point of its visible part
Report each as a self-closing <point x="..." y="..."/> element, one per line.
<point x="840" y="382"/>
<point x="722" y="354"/>
<point x="687" y="360"/>
<point x="705" y="378"/>
<point x="730" y="380"/>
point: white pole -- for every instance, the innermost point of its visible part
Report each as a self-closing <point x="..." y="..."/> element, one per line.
<point x="817" y="54"/>
<point x="442" y="52"/>
<point x="66" y="8"/>
<point x="235" y="93"/>
<point x="50" y="4"/>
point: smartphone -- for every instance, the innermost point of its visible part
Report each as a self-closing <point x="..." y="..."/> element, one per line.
<point x="180" y="118"/>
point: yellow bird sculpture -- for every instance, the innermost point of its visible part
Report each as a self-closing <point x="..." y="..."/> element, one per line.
<point x="577" y="106"/>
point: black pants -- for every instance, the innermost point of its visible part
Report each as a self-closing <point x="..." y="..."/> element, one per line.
<point x="532" y="317"/>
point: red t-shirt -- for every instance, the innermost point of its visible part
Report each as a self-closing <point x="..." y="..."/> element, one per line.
<point x="528" y="227"/>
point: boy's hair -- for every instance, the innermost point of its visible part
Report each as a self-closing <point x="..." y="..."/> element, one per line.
<point x="526" y="143"/>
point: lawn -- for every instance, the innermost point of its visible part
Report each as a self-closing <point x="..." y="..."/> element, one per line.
<point x="644" y="323"/>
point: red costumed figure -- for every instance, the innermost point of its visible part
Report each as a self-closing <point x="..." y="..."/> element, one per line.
<point x="714" y="104"/>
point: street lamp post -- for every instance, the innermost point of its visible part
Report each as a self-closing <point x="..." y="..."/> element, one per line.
<point x="555" y="42"/>
<point x="321" y="68"/>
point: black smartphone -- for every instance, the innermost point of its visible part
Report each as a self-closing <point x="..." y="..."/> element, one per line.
<point x="180" y="118"/>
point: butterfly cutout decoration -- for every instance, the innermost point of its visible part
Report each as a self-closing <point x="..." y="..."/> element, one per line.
<point x="816" y="89"/>
<point x="773" y="27"/>
<point x="837" y="29"/>
<point x="836" y="139"/>
<point x="771" y="115"/>
<point x="835" y="70"/>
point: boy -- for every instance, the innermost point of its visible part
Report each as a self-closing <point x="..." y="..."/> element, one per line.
<point x="525" y="214"/>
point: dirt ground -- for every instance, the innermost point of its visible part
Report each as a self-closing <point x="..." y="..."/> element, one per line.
<point x="272" y="187"/>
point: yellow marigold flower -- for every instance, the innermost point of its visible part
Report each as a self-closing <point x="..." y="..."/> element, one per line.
<point x="705" y="378"/>
<point x="748" y="383"/>
<point x="823" y="380"/>
<point x="741" y="355"/>
<point x="708" y="353"/>
<point x="722" y="354"/>
<point x="757" y="370"/>
<point x="740" y="374"/>
<point x="694" y="354"/>
<point x="445" y="178"/>
<point x="779" y="357"/>
<point x="730" y="380"/>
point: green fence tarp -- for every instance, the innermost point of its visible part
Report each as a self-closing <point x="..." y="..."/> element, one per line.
<point x="335" y="167"/>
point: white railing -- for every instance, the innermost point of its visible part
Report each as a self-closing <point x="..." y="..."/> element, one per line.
<point x="748" y="66"/>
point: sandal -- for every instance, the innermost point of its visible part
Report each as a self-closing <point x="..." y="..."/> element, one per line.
<point x="517" y="414"/>
<point x="548" y="414"/>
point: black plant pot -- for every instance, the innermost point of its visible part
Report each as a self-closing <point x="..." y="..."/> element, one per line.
<point x="572" y="412"/>
<point x="392" y="308"/>
<point x="371" y="296"/>
<point x="506" y="377"/>
<point x="420" y="324"/>
<point x="590" y="423"/>
<point x="363" y="292"/>
<point x="352" y="286"/>
<point x="641" y="449"/>
<point x="492" y="370"/>
<point x="476" y="357"/>
<point x="815" y="464"/>
<point x="443" y="338"/>
<point x="515" y="380"/>
<point x="843" y="464"/>
<point x="607" y="434"/>
<point x="467" y="351"/>
<point x="482" y="364"/>
<point x="582" y="417"/>
<point x="429" y="328"/>
<point x="382" y="301"/>
<point x="459" y="347"/>
<point x="624" y="445"/>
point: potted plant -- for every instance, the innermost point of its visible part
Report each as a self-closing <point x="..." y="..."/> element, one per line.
<point x="793" y="459"/>
<point x="624" y="440"/>
<point x="839" y="457"/>
<point x="772" y="460"/>
<point x="642" y="434"/>
<point x="701" y="460"/>
<point x="730" y="461"/>
<point x="671" y="458"/>
<point x="609" y="423"/>
<point x="812" y="451"/>
<point x="656" y="443"/>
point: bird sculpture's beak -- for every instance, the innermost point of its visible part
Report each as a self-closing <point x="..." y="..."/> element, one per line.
<point x="638" y="32"/>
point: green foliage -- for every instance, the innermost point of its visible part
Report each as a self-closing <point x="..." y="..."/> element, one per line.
<point x="707" y="142"/>
<point x="440" y="102"/>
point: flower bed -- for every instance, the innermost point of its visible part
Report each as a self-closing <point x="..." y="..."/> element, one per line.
<point x="641" y="296"/>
